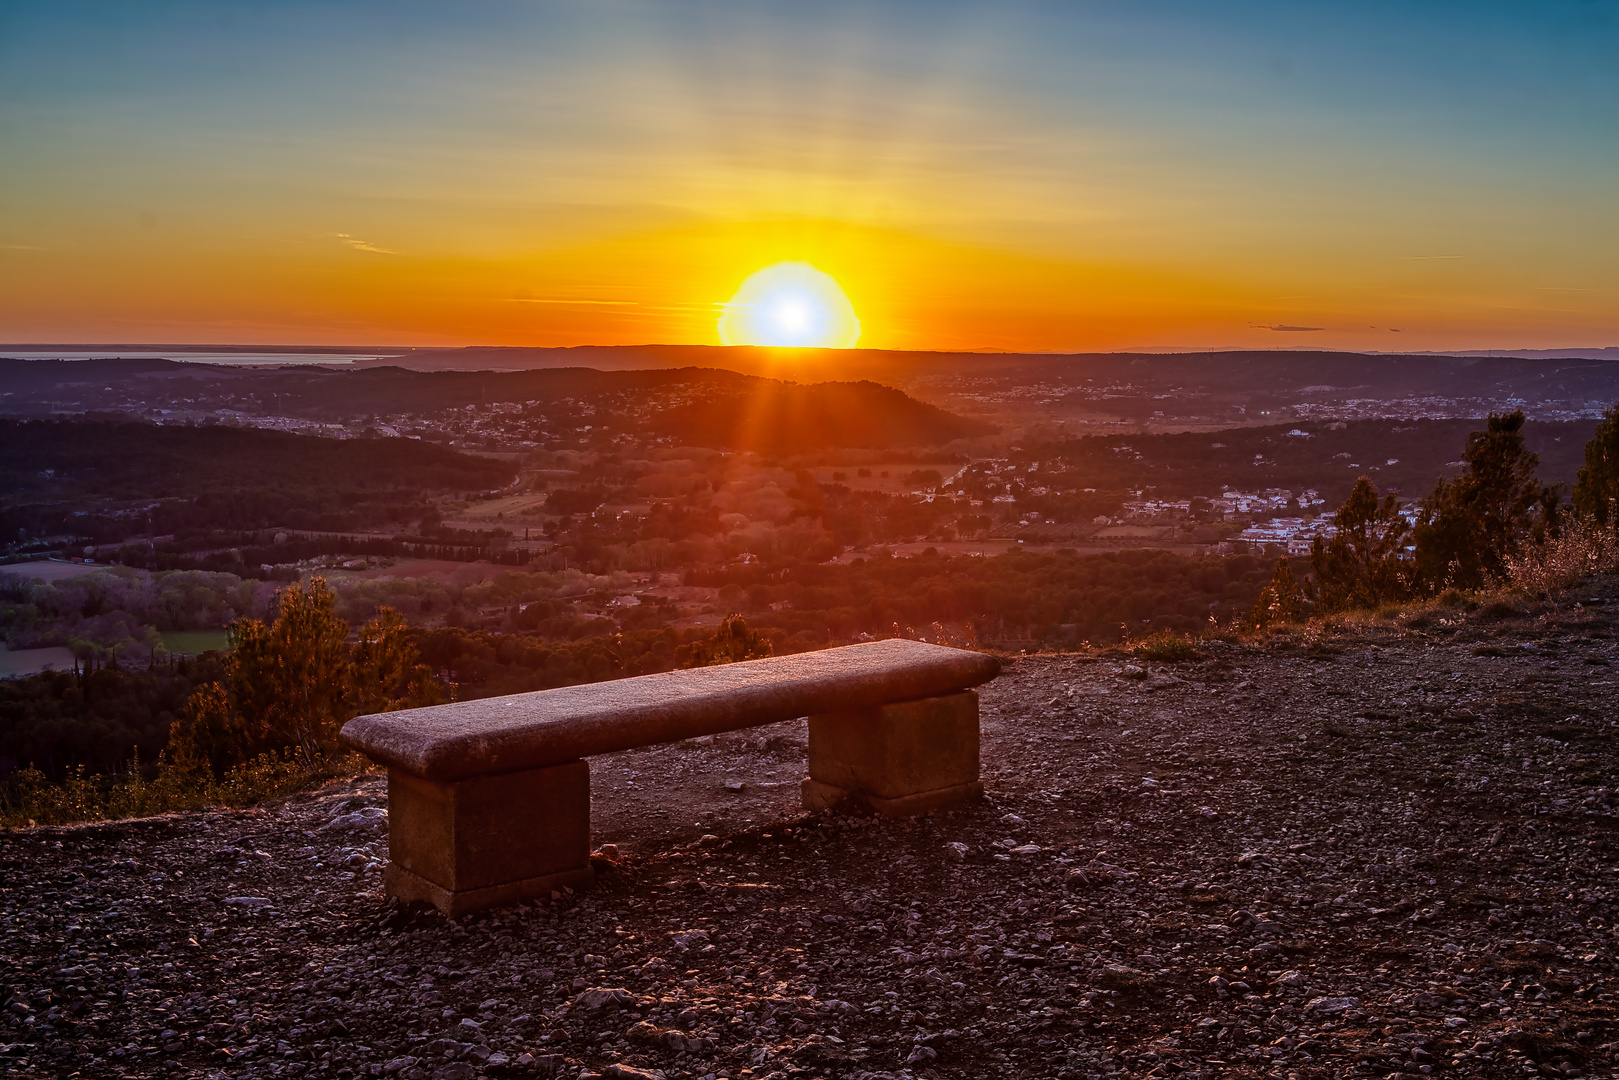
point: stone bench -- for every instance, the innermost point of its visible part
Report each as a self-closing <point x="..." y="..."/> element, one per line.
<point x="489" y="801"/>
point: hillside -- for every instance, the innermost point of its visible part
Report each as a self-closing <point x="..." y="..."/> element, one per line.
<point x="1359" y="853"/>
<point x="1235" y="386"/>
<point x="1405" y="456"/>
<point x="86" y="459"/>
<point x="229" y="477"/>
<point x="1246" y="371"/>
<point x="696" y="406"/>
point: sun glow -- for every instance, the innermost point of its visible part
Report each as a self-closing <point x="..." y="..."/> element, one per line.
<point x="791" y="305"/>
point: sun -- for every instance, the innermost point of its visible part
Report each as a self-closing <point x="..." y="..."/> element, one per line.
<point x="791" y="305"/>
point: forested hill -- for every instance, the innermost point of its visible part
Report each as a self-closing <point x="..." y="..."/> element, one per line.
<point x="1253" y="373"/>
<point x="1404" y="456"/>
<point x="240" y="477"/>
<point x="697" y="406"/>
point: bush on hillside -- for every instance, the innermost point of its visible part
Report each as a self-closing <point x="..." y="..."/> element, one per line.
<point x="1590" y="547"/>
<point x="1596" y="493"/>
<point x="1363" y="564"/>
<point x="292" y="684"/>
<point x="1282" y="600"/>
<point x="1471" y="526"/>
<point x="733" y="641"/>
<point x="28" y="798"/>
<point x="1166" y="646"/>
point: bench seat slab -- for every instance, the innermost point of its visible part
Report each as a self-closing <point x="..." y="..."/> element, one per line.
<point x="464" y="844"/>
<point x="549" y="727"/>
<point x="907" y="757"/>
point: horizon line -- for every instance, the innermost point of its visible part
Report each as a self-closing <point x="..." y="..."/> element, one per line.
<point x="388" y="351"/>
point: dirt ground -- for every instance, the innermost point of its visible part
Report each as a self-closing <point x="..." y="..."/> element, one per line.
<point x="1383" y="851"/>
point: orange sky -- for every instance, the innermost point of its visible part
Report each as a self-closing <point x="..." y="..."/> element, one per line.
<point x="1067" y="178"/>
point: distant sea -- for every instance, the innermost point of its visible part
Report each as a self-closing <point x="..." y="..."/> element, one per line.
<point x="236" y="359"/>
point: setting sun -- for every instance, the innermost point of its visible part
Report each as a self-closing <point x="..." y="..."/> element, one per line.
<point x="790" y="304"/>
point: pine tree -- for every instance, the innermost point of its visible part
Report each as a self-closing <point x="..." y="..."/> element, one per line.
<point x="290" y="679"/>
<point x="1282" y="600"/>
<point x="1363" y="564"/>
<point x="1470" y="526"/>
<point x="1596" y="492"/>
<point x="291" y="685"/>
<point x="387" y="672"/>
<point x="733" y="641"/>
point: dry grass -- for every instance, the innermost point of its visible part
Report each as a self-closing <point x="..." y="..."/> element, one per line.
<point x="1166" y="646"/>
<point x="1562" y="561"/>
<point x="28" y="799"/>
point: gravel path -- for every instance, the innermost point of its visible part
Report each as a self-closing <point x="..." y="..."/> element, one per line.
<point x="1379" y="851"/>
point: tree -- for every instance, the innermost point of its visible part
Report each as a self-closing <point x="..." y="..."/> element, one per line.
<point x="290" y="679"/>
<point x="733" y="641"/>
<point x="387" y="672"/>
<point x="1470" y="526"/>
<point x="1363" y="564"/>
<point x="1282" y="600"/>
<point x="210" y="736"/>
<point x="1596" y="492"/>
<point x="291" y="685"/>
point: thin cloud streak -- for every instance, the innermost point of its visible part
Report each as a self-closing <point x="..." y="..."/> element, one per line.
<point x="361" y="245"/>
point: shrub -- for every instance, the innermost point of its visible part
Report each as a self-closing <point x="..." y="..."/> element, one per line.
<point x="733" y="641"/>
<point x="1471" y="526"/>
<point x="28" y="798"/>
<point x="1166" y="646"/>
<point x="1363" y="565"/>
<point x="1280" y="601"/>
<point x="1596" y="492"/>
<point x="1559" y="561"/>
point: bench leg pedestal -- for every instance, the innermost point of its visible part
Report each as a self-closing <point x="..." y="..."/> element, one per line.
<point x="488" y="840"/>
<point x="906" y="758"/>
<point x="409" y="888"/>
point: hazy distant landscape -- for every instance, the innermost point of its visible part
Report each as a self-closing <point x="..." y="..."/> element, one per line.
<point x="536" y="527"/>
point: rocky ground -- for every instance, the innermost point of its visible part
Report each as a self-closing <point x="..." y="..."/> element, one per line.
<point x="1381" y="850"/>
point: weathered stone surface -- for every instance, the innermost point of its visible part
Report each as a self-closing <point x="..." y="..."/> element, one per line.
<point x="817" y="796"/>
<point x="525" y="731"/>
<point x="402" y="885"/>
<point x="897" y="750"/>
<point x="910" y="757"/>
<point x="475" y="841"/>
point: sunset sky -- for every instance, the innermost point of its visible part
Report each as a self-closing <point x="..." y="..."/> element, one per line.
<point x="1002" y="174"/>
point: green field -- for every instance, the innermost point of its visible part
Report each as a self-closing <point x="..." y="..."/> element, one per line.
<point x="192" y="642"/>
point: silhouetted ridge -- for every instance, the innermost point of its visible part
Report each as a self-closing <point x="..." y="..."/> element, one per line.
<point x="697" y="406"/>
<point x="86" y="458"/>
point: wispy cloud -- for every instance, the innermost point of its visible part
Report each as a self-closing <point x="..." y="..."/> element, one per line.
<point x="361" y="245"/>
<point x="1428" y="258"/>
<point x="1293" y="329"/>
<point x="21" y="247"/>
<point x="537" y="300"/>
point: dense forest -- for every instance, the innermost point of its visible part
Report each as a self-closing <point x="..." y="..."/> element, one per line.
<point x="65" y="475"/>
<point x="1402" y="456"/>
<point x="695" y="406"/>
<point x="100" y="718"/>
